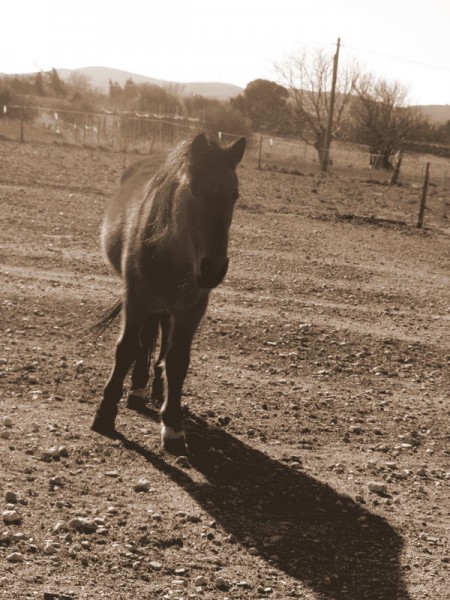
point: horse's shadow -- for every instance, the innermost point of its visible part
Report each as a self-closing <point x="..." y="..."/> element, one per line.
<point x="295" y="522"/>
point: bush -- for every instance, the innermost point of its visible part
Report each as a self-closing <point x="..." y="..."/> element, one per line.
<point x="227" y="119"/>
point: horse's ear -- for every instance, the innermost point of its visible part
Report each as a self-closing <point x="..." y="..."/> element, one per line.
<point x="236" y="152"/>
<point x="199" y="144"/>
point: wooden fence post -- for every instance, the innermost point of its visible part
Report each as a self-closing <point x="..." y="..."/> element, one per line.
<point x="22" y="118"/>
<point x="424" y="195"/>
<point x="260" y="152"/>
<point x="397" y="165"/>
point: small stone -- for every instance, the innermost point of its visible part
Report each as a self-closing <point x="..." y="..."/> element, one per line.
<point x="15" y="557"/>
<point x="156" y="566"/>
<point x="7" y="422"/>
<point x="50" y="454"/>
<point x="183" y="462"/>
<point x="377" y="487"/>
<point x="11" y="497"/>
<point x="11" y="516"/>
<point x="264" y="590"/>
<point x="222" y="584"/>
<point x="112" y="474"/>
<point x="102" y="530"/>
<point x="253" y="551"/>
<point x="56" y="481"/>
<point x="200" y="581"/>
<point x="143" y="485"/>
<point x="75" y="523"/>
<point x="244" y="584"/>
<point x="274" y="539"/>
<point x="5" y="435"/>
<point x="194" y="519"/>
<point x="355" y="429"/>
<point x="88" y="526"/>
<point x="83" y="525"/>
<point x="49" y="549"/>
<point x="59" y="527"/>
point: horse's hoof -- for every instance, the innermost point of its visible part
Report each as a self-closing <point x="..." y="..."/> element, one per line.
<point x="104" y="427"/>
<point x="136" y="401"/>
<point x="175" y="447"/>
<point x="173" y="441"/>
<point x="157" y="393"/>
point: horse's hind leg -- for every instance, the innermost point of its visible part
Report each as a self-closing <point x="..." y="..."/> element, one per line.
<point x="176" y="366"/>
<point x="126" y="352"/>
<point x="157" y="393"/>
<point x="140" y="375"/>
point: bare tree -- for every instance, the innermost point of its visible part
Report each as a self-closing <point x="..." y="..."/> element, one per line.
<point x="80" y="82"/>
<point x="309" y="77"/>
<point x="382" y="118"/>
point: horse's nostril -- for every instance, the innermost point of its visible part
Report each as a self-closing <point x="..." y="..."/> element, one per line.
<point x="211" y="273"/>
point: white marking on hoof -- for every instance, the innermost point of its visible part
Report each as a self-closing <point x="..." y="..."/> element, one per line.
<point x="168" y="433"/>
<point x="138" y="393"/>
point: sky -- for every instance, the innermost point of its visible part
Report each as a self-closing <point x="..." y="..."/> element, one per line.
<point x="232" y="41"/>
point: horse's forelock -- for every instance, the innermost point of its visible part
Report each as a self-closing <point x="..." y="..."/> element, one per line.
<point x="185" y="164"/>
<point x="209" y="158"/>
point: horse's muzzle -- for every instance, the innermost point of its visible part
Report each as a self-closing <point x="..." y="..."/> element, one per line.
<point x="211" y="275"/>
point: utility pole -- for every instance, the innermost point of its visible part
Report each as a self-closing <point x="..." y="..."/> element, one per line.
<point x="423" y="198"/>
<point x="326" y="148"/>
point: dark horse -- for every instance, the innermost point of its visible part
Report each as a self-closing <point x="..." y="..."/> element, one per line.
<point x="166" y="234"/>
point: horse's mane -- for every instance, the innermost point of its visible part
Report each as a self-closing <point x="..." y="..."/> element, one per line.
<point x="179" y="169"/>
<point x="181" y="160"/>
<point x="163" y="189"/>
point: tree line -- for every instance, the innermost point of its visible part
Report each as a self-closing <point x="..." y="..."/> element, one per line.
<point x="370" y="111"/>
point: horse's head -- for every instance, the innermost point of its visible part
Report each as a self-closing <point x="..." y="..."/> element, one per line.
<point x="213" y="192"/>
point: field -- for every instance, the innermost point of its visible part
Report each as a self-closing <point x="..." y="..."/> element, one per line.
<point x="316" y="406"/>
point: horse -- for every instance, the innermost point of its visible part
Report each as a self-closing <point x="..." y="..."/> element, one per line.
<point x="165" y="233"/>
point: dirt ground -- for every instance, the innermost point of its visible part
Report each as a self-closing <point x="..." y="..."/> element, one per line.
<point x="317" y="402"/>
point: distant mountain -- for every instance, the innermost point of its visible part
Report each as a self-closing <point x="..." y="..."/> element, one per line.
<point x="436" y="113"/>
<point x="99" y="78"/>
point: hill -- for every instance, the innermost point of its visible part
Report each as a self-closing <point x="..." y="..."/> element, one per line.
<point x="99" y="78"/>
<point x="436" y="113"/>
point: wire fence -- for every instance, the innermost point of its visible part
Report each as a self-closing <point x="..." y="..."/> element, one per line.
<point x="349" y="160"/>
<point x="147" y="133"/>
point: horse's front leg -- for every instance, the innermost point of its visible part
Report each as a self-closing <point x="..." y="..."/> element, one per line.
<point x="127" y="349"/>
<point x="140" y="375"/>
<point x="176" y="365"/>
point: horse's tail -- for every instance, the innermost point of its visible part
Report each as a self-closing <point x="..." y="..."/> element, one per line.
<point x="102" y="325"/>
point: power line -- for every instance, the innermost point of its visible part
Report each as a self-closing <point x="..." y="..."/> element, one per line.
<point x="398" y="58"/>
